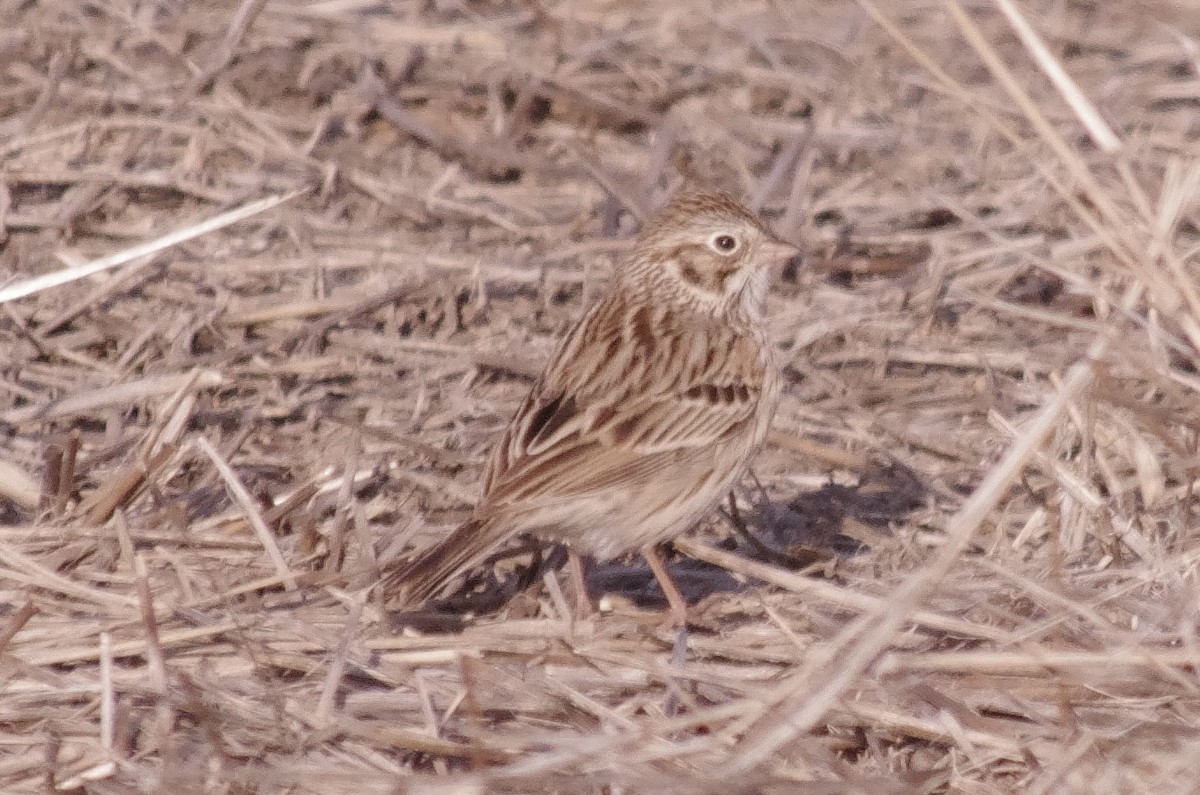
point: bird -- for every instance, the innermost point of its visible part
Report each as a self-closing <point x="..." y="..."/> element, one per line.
<point x="649" y="410"/>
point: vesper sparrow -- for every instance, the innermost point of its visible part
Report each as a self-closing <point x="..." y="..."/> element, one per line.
<point x="648" y="412"/>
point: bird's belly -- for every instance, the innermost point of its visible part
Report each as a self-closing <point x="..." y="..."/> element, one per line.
<point x="619" y="521"/>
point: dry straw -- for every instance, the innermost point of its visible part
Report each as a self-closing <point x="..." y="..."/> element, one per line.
<point x="971" y="553"/>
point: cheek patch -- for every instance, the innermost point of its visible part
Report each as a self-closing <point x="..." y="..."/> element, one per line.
<point x="725" y="274"/>
<point x="690" y="274"/>
<point x="705" y="272"/>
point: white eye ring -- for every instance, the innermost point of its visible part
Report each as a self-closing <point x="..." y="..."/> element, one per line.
<point x="724" y="243"/>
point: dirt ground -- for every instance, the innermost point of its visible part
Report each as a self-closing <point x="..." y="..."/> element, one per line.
<point x="973" y="538"/>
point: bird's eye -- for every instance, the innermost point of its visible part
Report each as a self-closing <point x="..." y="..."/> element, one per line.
<point x="724" y="244"/>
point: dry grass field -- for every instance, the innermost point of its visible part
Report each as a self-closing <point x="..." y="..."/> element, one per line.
<point x="973" y="541"/>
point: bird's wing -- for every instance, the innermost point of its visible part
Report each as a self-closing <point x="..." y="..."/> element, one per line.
<point x="632" y="393"/>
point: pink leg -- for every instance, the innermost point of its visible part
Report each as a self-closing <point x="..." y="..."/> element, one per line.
<point x="654" y="557"/>
<point x="583" y="599"/>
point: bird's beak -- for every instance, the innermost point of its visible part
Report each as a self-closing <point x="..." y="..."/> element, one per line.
<point x="776" y="250"/>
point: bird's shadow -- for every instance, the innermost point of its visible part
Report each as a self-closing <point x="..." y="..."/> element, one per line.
<point x="812" y="528"/>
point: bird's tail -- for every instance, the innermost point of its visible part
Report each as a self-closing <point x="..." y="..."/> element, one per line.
<point x="416" y="581"/>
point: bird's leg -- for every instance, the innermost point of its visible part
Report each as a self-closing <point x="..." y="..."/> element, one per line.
<point x="678" y="660"/>
<point x="658" y="565"/>
<point x="578" y="574"/>
<point x="735" y="516"/>
<point x="653" y="556"/>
